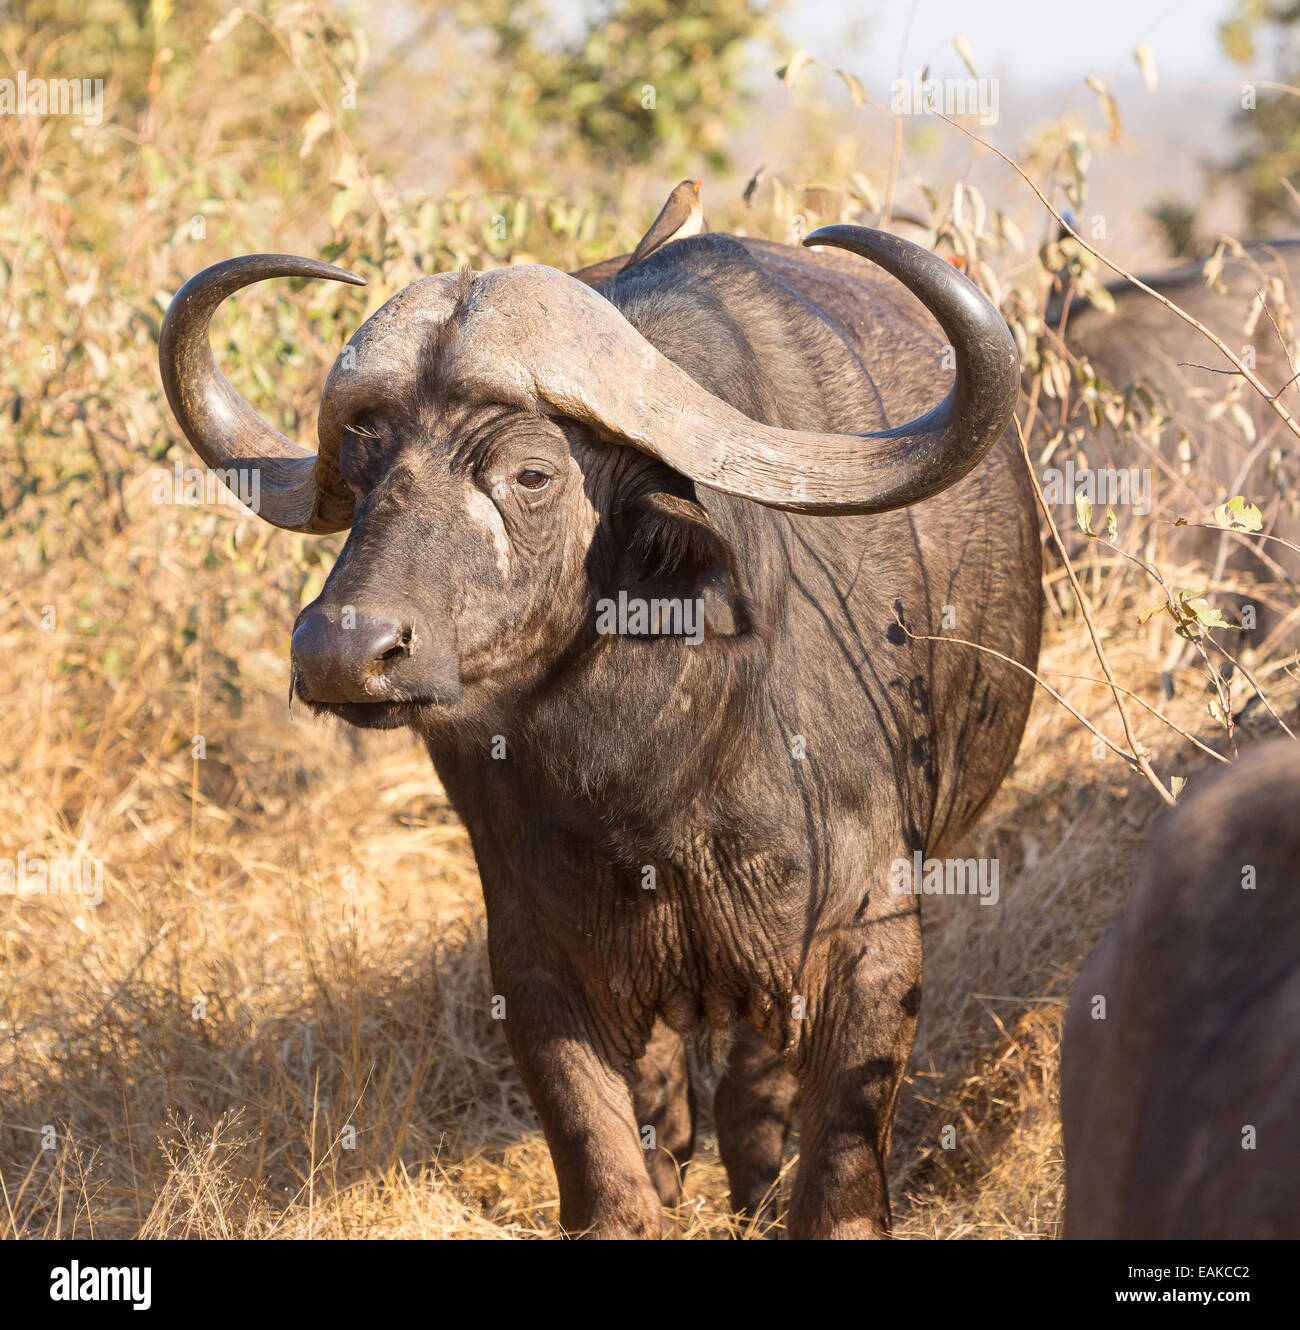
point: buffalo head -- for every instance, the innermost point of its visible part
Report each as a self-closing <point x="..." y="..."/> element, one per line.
<point x="502" y="445"/>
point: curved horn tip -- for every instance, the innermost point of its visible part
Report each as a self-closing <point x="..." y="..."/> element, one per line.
<point x="301" y="491"/>
<point x="334" y="274"/>
<point x="811" y="240"/>
<point x="255" y="268"/>
<point x="836" y="233"/>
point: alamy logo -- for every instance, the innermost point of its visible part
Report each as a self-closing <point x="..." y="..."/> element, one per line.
<point x="52" y="877"/>
<point x="1125" y="487"/>
<point x="102" y="1283"/>
<point x="208" y="485"/>
<point x="24" y="96"/>
<point x="953" y="97"/>
<point x="631" y="616"/>
<point x="919" y="876"/>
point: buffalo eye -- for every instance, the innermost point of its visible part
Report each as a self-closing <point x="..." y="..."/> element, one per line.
<point x="532" y="480"/>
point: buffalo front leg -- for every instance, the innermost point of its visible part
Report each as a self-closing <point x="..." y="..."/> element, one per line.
<point x="586" y="1112"/>
<point x="753" y="1107"/>
<point x="664" y="1103"/>
<point x="860" y="1025"/>
<point x="579" y="1087"/>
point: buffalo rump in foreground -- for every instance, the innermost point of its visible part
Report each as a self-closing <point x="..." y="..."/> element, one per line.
<point x="630" y="565"/>
<point x="1179" y="1094"/>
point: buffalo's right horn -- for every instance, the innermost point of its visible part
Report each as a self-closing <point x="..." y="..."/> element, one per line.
<point x="534" y="330"/>
<point x="299" y="490"/>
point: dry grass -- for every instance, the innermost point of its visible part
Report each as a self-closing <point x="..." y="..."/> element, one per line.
<point x="308" y="893"/>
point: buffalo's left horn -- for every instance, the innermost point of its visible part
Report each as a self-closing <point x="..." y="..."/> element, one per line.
<point x="299" y="490"/>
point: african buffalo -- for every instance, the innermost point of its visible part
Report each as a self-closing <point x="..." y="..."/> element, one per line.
<point x="648" y="569"/>
<point x="1243" y="450"/>
<point x="1180" y="1069"/>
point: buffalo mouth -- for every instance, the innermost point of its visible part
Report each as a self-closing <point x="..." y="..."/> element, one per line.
<point x="367" y="715"/>
<point x="375" y="715"/>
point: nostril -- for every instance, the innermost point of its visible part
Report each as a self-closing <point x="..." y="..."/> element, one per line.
<point x="404" y="645"/>
<point x="342" y="656"/>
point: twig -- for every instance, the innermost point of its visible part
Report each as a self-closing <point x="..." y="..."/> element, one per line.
<point x="896" y="150"/>
<point x="1160" y="716"/>
<point x="1024" y="669"/>
<point x="1138" y="757"/>
<point x="1250" y="679"/>
<point x="1230" y="530"/>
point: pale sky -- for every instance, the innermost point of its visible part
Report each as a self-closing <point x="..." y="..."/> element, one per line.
<point x="1023" y="39"/>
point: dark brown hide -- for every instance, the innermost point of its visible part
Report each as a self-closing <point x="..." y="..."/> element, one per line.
<point x="1179" y="1104"/>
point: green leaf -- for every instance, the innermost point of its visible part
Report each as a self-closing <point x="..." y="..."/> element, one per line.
<point x="318" y="125"/>
<point x="1238" y="515"/>
<point x="1198" y="609"/>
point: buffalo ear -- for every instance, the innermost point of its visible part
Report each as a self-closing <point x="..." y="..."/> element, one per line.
<point x="672" y="550"/>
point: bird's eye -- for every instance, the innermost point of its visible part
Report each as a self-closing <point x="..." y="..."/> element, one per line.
<point x="533" y="480"/>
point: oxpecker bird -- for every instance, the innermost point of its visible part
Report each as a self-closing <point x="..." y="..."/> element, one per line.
<point x="682" y="216"/>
